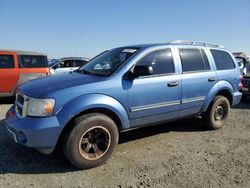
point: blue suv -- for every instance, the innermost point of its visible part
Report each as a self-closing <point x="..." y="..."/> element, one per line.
<point x="124" y="88"/>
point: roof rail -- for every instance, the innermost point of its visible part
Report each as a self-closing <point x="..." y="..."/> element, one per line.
<point x="195" y="43"/>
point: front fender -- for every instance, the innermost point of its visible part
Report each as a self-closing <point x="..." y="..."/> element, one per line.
<point x="90" y="101"/>
<point x="219" y="86"/>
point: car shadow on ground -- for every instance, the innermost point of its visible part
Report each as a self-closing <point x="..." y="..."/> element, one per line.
<point x="21" y="160"/>
<point x="243" y="105"/>
<point x="7" y="100"/>
<point x="193" y="124"/>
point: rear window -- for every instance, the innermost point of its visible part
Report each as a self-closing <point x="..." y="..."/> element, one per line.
<point x="223" y="60"/>
<point x="31" y="61"/>
<point x="6" y="61"/>
<point x="193" y="60"/>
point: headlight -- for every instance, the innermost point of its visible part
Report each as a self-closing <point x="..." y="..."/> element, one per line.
<point x="40" y="107"/>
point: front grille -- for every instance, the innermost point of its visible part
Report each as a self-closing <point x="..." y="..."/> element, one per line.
<point x="246" y="82"/>
<point x="21" y="105"/>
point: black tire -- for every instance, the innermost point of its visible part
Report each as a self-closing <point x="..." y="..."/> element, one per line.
<point x="91" y="140"/>
<point x="244" y="97"/>
<point x="216" y="115"/>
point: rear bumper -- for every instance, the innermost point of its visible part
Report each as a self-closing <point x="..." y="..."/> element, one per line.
<point x="236" y="98"/>
<point x="38" y="133"/>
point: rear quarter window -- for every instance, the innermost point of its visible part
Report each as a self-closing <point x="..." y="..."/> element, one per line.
<point x="223" y="60"/>
<point x="31" y="61"/>
<point x="6" y="61"/>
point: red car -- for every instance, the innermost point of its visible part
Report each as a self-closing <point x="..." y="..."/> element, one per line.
<point x="17" y="67"/>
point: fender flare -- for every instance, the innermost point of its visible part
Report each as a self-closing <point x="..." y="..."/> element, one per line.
<point x="88" y="102"/>
<point x="218" y="87"/>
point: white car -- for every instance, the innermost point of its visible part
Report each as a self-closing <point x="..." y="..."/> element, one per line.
<point x="67" y="64"/>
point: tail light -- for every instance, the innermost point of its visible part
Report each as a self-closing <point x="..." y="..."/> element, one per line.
<point x="241" y="85"/>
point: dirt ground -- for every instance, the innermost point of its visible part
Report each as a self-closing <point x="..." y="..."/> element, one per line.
<point x="178" y="154"/>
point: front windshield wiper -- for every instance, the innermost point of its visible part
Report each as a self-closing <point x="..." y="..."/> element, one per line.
<point x="82" y="71"/>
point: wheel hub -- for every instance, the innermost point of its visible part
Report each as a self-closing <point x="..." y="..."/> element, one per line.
<point x="219" y="113"/>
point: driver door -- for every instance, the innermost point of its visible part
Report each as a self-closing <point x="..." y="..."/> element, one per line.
<point x="155" y="98"/>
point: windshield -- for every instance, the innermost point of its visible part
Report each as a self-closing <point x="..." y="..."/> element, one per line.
<point x="52" y="62"/>
<point x="108" y="62"/>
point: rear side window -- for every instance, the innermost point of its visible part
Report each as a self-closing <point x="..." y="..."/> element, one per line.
<point x="161" y="61"/>
<point x="68" y="63"/>
<point x="6" y="61"/>
<point x="223" y="60"/>
<point x="31" y="61"/>
<point x="193" y="60"/>
<point x="79" y="63"/>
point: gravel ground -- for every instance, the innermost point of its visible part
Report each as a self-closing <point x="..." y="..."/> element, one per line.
<point x="179" y="154"/>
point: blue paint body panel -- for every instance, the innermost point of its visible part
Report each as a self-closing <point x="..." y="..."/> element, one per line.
<point x="136" y="102"/>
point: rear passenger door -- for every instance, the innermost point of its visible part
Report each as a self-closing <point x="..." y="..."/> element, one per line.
<point x="198" y="77"/>
<point x="156" y="97"/>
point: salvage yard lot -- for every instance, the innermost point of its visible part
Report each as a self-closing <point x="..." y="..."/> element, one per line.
<point x="178" y="154"/>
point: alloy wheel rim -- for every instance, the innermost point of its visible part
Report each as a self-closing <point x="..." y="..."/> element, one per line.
<point x="94" y="143"/>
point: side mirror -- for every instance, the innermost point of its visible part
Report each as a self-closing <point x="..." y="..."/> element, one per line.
<point x="142" y="70"/>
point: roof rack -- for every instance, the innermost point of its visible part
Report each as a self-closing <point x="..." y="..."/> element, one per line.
<point x="195" y="43"/>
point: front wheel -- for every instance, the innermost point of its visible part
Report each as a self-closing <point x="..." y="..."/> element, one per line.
<point x="91" y="140"/>
<point x="216" y="115"/>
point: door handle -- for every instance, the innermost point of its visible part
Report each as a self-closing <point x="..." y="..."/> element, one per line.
<point x="173" y="84"/>
<point x="212" y="79"/>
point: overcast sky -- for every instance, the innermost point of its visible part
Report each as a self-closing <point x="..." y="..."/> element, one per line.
<point x="86" y="28"/>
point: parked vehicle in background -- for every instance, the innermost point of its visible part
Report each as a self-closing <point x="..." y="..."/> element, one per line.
<point x="244" y="59"/>
<point x="17" y="67"/>
<point x="67" y="64"/>
<point x="122" y="89"/>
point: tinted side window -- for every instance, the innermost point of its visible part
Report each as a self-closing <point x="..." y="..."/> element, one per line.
<point x="223" y="60"/>
<point x="161" y="61"/>
<point x="79" y="63"/>
<point x="30" y="61"/>
<point x="6" y="61"/>
<point x="68" y="63"/>
<point x="193" y="60"/>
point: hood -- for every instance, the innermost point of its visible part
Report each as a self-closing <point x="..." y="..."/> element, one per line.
<point x="49" y="84"/>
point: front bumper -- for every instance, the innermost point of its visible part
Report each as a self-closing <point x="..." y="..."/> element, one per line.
<point x="38" y="133"/>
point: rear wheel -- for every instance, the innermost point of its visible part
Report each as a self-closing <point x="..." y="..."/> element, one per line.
<point x="91" y="140"/>
<point x="216" y="115"/>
